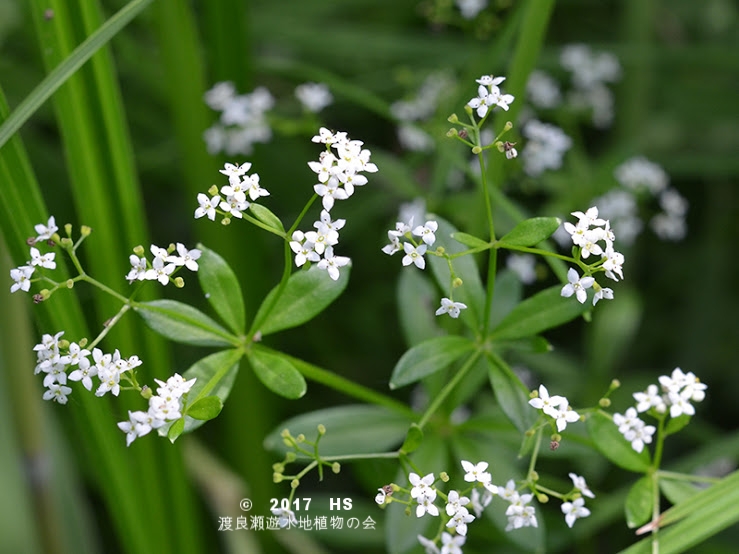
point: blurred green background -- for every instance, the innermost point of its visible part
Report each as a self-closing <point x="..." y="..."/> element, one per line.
<point x="676" y="104"/>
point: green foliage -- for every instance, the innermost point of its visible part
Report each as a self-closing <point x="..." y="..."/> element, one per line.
<point x="613" y="445"/>
<point x="429" y="357"/>
<point x="221" y="287"/>
<point x="531" y="232"/>
<point x="183" y="323"/>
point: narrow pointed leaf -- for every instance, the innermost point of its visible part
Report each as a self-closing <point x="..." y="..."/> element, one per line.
<point x="222" y="289"/>
<point x="612" y="444"/>
<point x="413" y="439"/>
<point x="639" y="502"/>
<point x="531" y="232"/>
<point x="182" y="323"/>
<point x="429" y="357"/>
<point x="469" y="240"/>
<point x="544" y="310"/>
<point x="306" y="295"/>
<point x="511" y="394"/>
<point x="277" y="373"/>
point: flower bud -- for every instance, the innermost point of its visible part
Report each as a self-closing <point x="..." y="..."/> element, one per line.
<point x="457" y="282"/>
<point x="444" y="476"/>
<point x="68" y="229"/>
<point x="476" y="150"/>
<point x="85" y="230"/>
<point x="290" y="457"/>
<point x="542" y="498"/>
<point x="277" y="477"/>
<point x="70" y="283"/>
<point x="321" y="429"/>
<point x="278" y="467"/>
<point x="336" y="467"/>
<point x="146" y="392"/>
<point x="508" y="126"/>
<point x="38" y="298"/>
<point x="453" y="118"/>
<point x="139" y="250"/>
<point x="300" y="438"/>
<point x="295" y="483"/>
<point x="213" y="190"/>
<point x="226" y="221"/>
<point x="66" y="242"/>
<point x="179" y="282"/>
<point x="604" y="402"/>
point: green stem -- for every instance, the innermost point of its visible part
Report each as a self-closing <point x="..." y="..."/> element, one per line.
<point x="448" y="388"/>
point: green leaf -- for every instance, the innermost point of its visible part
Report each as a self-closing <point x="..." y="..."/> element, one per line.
<point x="703" y="515"/>
<point x="413" y="439"/>
<point x="176" y="429"/>
<point x="639" y="502"/>
<point x="531" y="232"/>
<point x="306" y="295"/>
<point x="677" y="491"/>
<point x="471" y="292"/>
<point x="469" y="240"/>
<point x="206" y="408"/>
<point x="676" y="423"/>
<point x="277" y="373"/>
<point x="542" y="311"/>
<point x="380" y="430"/>
<point x="182" y="323"/>
<point x="511" y="394"/>
<point x="266" y="216"/>
<point x="508" y="293"/>
<point x="429" y="357"/>
<point x="612" y="444"/>
<point x="222" y="289"/>
<point x="533" y="345"/>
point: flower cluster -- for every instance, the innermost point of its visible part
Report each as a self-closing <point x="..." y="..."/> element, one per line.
<point x="242" y="122"/>
<point x="234" y="202"/>
<point x="164" y="264"/>
<point x="55" y="357"/>
<point x="417" y="241"/>
<point x="339" y="170"/>
<point x="557" y="407"/>
<point x="674" y="393"/>
<point x="21" y="275"/>
<point x="545" y="148"/>
<point x="489" y="96"/>
<point x="470" y="8"/>
<point x="165" y="406"/>
<point x="460" y="510"/>
<point x="587" y="235"/>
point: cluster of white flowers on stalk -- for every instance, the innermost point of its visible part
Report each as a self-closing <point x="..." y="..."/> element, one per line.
<point x="164" y="264"/>
<point x="520" y="512"/>
<point x="339" y="169"/>
<point x="542" y="90"/>
<point x="590" y="73"/>
<point x="674" y="392"/>
<point x="545" y="148"/>
<point x="243" y="121"/>
<point x="557" y="407"/>
<point x="586" y="236"/>
<point x="420" y="108"/>
<point x="417" y="241"/>
<point x="165" y="406"/>
<point x="21" y="275"/>
<point x="55" y="357"/>
<point x="575" y="509"/>
<point x="489" y="96"/>
<point x="314" y="96"/>
<point x="234" y="202"/>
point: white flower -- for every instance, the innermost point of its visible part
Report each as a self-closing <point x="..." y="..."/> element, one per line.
<point x="235" y="171"/>
<point x="519" y="513"/>
<point x="414" y="255"/>
<point x="565" y="415"/>
<point x="545" y="148"/>
<point x="207" y="206"/>
<point x="428" y="545"/>
<point x="138" y="269"/>
<point x="589" y="68"/>
<point x="451" y="544"/>
<point x="314" y="96"/>
<point x="480" y="502"/>
<point x="476" y="472"/>
<point x="634" y="429"/>
<point x="651" y="398"/>
<point x="422" y="486"/>
<point x="579" y="483"/>
<point x="459" y="521"/>
<point x="186" y="257"/>
<point x="543" y="90"/>
<point x="548" y="404"/>
<point x="321" y="240"/>
<point x="426" y="506"/>
<point x="577" y="286"/>
<point x="84" y="372"/>
<point x="613" y="262"/>
<point x="381" y="496"/>
<point x="489" y="96"/>
<point x="601" y="293"/>
<point x="253" y="187"/>
<point x="45" y="232"/>
<point x="450" y="307"/>
<point x="470" y="8"/>
<point x="640" y="174"/>
<point x="232" y="206"/>
<point x="330" y="192"/>
<point x="680" y="404"/>
<point x="455" y="502"/>
<point x="426" y="232"/>
<point x="45" y="261"/>
<point x="159" y="271"/>
<point x="22" y="277"/>
<point x="332" y="263"/>
<point x="57" y="393"/>
<point x="574" y="510"/>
